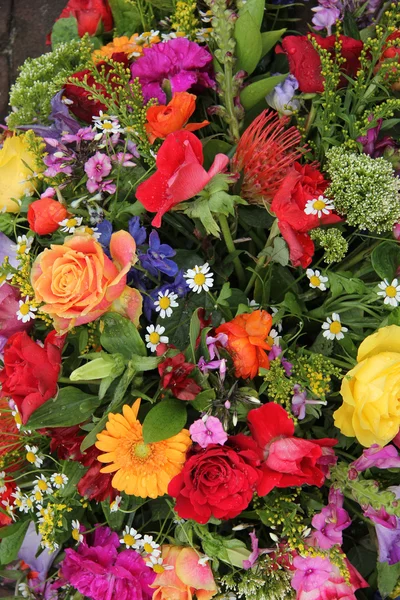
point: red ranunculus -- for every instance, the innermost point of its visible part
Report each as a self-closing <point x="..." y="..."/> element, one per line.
<point x="83" y="106"/>
<point x="30" y="372"/>
<point x="218" y="481"/>
<point x="45" y="214"/>
<point x="174" y="372"/>
<point x="305" y="64"/>
<point x="180" y="174"/>
<point x="89" y="14"/>
<point x="288" y="461"/>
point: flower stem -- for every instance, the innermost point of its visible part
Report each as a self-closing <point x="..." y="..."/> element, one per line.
<point x="226" y="232"/>
<point x="229" y="103"/>
<point x="274" y="231"/>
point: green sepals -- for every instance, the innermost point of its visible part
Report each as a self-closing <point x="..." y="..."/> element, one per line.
<point x="64" y="30"/>
<point x="229" y="550"/>
<point x="104" y="365"/>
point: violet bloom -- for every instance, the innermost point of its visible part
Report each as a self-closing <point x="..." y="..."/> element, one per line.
<point x="381" y="517"/>
<point x="282" y="98"/>
<point x="330" y="522"/>
<point x="256" y="552"/>
<point x="208" y="430"/>
<point x="137" y="231"/>
<point x="375" y="456"/>
<point x="85" y="134"/>
<point x="123" y="159"/>
<point x="28" y="552"/>
<point x="388" y="537"/>
<point x="326" y="15"/>
<point x="299" y="402"/>
<point x="370" y="142"/>
<point x="157" y="257"/>
<point x="216" y="361"/>
<point x="58" y="162"/>
<point x="311" y="572"/>
<point x="183" y="63"/>
<point x="99" y="572"/>
<point x="103" y="186"/>
<point x="276" y="352"/>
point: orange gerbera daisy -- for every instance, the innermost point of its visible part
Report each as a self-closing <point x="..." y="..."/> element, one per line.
<point x="132" y="47"/>
<point x="143" y="470"/>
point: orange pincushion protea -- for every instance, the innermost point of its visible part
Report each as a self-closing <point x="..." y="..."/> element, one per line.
<point x="132" y="47"/>
<point x="265" y="153"/>
<point x="247" y="342"/>
<point x="143" y="470"/>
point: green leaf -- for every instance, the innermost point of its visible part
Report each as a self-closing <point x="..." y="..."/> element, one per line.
<point x="255" y="92"/>
<point x="200" y="209"/>
<point x="255" y="216"/>
<point x="10" y="545"/>
<point x="385" y="259"/>
<point x="126" y="17"/>
<point x="164" y="420"/>
<point x="64" y="30"/>
<point x="211" y="148"/>
<point x="256" y="9"/>
<point x="388" y="576"/>
<point x="203" y="399"/>
<point x="223" y="203"/>
<point x="144" y="363"/>
<point x="119" y="335"/>
<point x="194" y="332"/>
<point x="292" y="304"/>
<point x="343" y="282"/>
<point x="70" y="407"/>
<point x="74" y="471"/>
<point x="279" y="252"/>
<point x="105" y="365"/>
<point x="248" y="43"/>
<point x="269" y="39"/>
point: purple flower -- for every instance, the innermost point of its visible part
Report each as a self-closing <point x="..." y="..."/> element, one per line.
<point x="9" y="323"/>
<point x="375" y="456"/>
<point x="299" y="402"/>
<point x="84" y="134"/>
<point x="311" y="573"/>
<point x="208" y="430"/>
<point x="276" y="352"/>
<point x="388" y="537"/>
<point x="181" y="62"/>
<point x="213" y="365"/>
<point x="157" y="257"/>
<point x="123" y="158"/>
<point x="61" y="119"/>
<point x="99" y="572"/>
<point x="57" y="162"/>
<point x="255" y="552"/>
<point x="331" y="521"/>
<point x="97" y="167"/>
<point x="137" y="231"/>
<point x="326" y="15"/>
<point x="370" y="142"/>
<point x="40" y="563"/>
<point x="103" y="186"/>
<point x="105" y="229"/>
<point x="216" y="361"/>
<point x="381" y="517"/>
<point x="281" y="98"/>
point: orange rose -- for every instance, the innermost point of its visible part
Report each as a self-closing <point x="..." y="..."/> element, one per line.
<point x="163" y="120"/>
<point x="186" y="578"/>
<point x="78" y="282"/>
<point x="247" y="335"/>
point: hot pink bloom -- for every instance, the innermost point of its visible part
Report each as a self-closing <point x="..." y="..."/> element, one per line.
<point x="311" y="573"/>
<point x="381" y="517"/>
<point x="331" y="521"/>
<point x="375" y="456"/>
<point x="9" y="324"/>
<point x="97" y="167"/>
<point x="208" y="431"/>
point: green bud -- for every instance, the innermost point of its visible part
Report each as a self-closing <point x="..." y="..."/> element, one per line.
<point x="106" y="365"/>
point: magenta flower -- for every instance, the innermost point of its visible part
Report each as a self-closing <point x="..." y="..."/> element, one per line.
<point x="9" y="323"/>
<point x="326" y="15"/>
<point x="124" y="159"/>
<point x="276" y="352"/>
<point x="99" y="572"/>
<point x="216" y="361"/>
<point x="311" y="573"/>
<point x="98" y="167"/>
<point x="208" y="431"/>
<point x="179" y="61"/>
<point x="84" y="134"/>
<point x="376" y="456"/>
<point x="381" y="517"/>
<point x="255" y="552"/>
<point x="300" y="400"/>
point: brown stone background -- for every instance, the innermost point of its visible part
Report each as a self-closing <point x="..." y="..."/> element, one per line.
<point x="24" y="25"/>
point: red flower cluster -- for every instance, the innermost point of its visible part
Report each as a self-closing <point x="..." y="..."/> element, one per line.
<point x="89" y="14"/>
<point x="219" y="481"/>
<point x="44" y="215"/>
<point x="305" y="64"/>
<point x="6" y="497"/>
<point x="31" y="372"/>
<point x="302" y="183"/>
<point x="174" y="373"/>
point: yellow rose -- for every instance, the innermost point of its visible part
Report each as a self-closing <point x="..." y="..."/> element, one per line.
<point x="371" y="391"/>
<point x="17" y="164"/>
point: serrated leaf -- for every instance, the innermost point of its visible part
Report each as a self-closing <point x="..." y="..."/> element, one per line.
<point x="269" y="39"/>
<point x="223" y="203"/>
<point x="120" y="336"/>
<point x="255" y="92"/>
<point x="200" y="209"/>
<point x="64" y="30"/>
<point x="70" y="407"/>
<point x="248" y="43"/>
<point x="279" y="252"/>
<point x="388" y="576"/>
<point x="164" y="420"/>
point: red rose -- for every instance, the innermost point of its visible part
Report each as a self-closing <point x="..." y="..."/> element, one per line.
<point x="44" y="215"/>
<point x="288" y="461"/>
<point x="89" y="14"/>
<point x="218" y="481"/>
<point x="180" y="174"/>
<point x="30" y="372"/>
<point x="83" y="107"/>
<point x="305" y="64"/>
<point x="174" y="373"/>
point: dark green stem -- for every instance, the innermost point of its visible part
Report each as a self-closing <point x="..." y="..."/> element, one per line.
<point x="226" y="232"/>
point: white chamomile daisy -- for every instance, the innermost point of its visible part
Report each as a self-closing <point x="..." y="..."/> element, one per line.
<point x="333" y="329"/>
<point x="76" y="531"/>
<point x="17" y="417"/>
<point x="131" y="538"/>
<point x="26" y="311"/>
<point x="157" y="564"/>
<point x="23" y="244"/>
<point x="3" y="486"/>
<point x="165" y="302"/>
<point x="33" y="456"/>
<point x="150" y="546"/>
<point x="114" y="506"/>
<point x="23" y="589"/>
<point x="154" y="337"/>
<point x="9" y="508"/>
<point x="69" y="225"/>
<point x="319" y="206"/>
<point x="5" y="277"/>
<point x="278" y="325"/>
<point x="107" y="126"/>
<point x="273" y="338"/>
<point x="199" y="278"/>
<point x="316" y="279"/>
<point x="27" y="504"/>
<point x="43" y="485"/>
<point x="103" y="117"/>
<point x="390" y="292"/>
<point x="37" y="497"/>
<point x="59" y="480"/>
<point x="93" y="231"/>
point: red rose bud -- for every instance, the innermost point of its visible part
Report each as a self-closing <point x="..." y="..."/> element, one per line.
<point x="90" y="15"/>
<point x="44" y="215"/>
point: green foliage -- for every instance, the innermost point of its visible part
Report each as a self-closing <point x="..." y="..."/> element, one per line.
<point x="10" y="545"/>
<point x="119" y="335"/>
<point x="256" y="91"/>
<point x="248" y="43"/>
<point x="332" y="241"/>
<point x="388" y="577"/>
<point x="70" y="407"/>
<point x="164" y="420"/>
<point x="64" y="30"/>
<point x="126" y="17"/>
<point x="385" y="259"/>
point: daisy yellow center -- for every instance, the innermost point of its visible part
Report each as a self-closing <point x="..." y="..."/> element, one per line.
<point x="18" y="419"/>
<point x="22" y="248"/>
<point x="199" y="279"/>
<point x="107" y="125"/>
<point x="71" y="223"/>
<point x="30" y="457"/>
<point x="29" y="502"/>
<point x="2" y="278"/>
<point x="319" y="205"/>
<point x="335" y="327"/>
<point x="38" y="496"/>
<point x="89" y="230"/>
<point x="142" y="450"/>
<point x="154" y="337"/>
<point x="58" y="480"/>
<point x="42" y="485"/>
<point x="148" y="548"/>
<point x="158" y="569"/>
<point x="314" y="280"/>
<point x="76" y="534"/>
<point x="24" y="308"/>
<point x="129" y="540"/>
<point x="164" y="302"/>
<point x="270" y="340"/>
<point x="391" y="291"/>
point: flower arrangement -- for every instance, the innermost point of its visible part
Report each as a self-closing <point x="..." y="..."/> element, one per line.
<point x="199" y="289"/>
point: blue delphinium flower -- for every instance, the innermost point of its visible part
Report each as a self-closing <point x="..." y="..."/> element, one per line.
<point x="137" y="231"/>
<point x="157" y="257"/>
<point x="282" y="96"/>
<point x="105" y="229"/>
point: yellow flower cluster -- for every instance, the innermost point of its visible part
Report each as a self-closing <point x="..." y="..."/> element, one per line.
<point x="184" y="19"/>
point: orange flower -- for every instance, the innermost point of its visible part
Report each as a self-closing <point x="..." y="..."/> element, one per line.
<point x="163" y="120"/>
<point x="247" y="342"/>
<point x="143" y="470"/>
<point x="188" y="576"/>
<point x="132" y="47"/>
<point x="78" y="283"/>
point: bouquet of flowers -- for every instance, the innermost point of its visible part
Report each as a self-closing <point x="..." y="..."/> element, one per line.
<point x="199" y="290"/>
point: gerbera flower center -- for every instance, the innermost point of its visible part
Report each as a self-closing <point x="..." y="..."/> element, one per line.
<point x="142" y="450"/>
<point x="154" y="337"/>
<point x="164" y="302"/>
<point x="335" y="327"/>
<point x="391" y="291"/>
<point x="314" y="280"/>
<point x="319" y="204"/>
<point x="199" y="279"/>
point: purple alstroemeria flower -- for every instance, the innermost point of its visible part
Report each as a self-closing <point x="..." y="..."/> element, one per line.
<point x="381" y="517"/>
<point x="300" y="400"/>
<point x="276" y="352"/>
<point x="215" y="362"/>
<point x="256" y="552"/>
<point x="38" y="562"/>
<point x="85" y="134"/>
<point x="326" y="15"/>
<point x="376" y="456"/>
<point x="157" y="257"/>
<point x="388" y="536"/>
